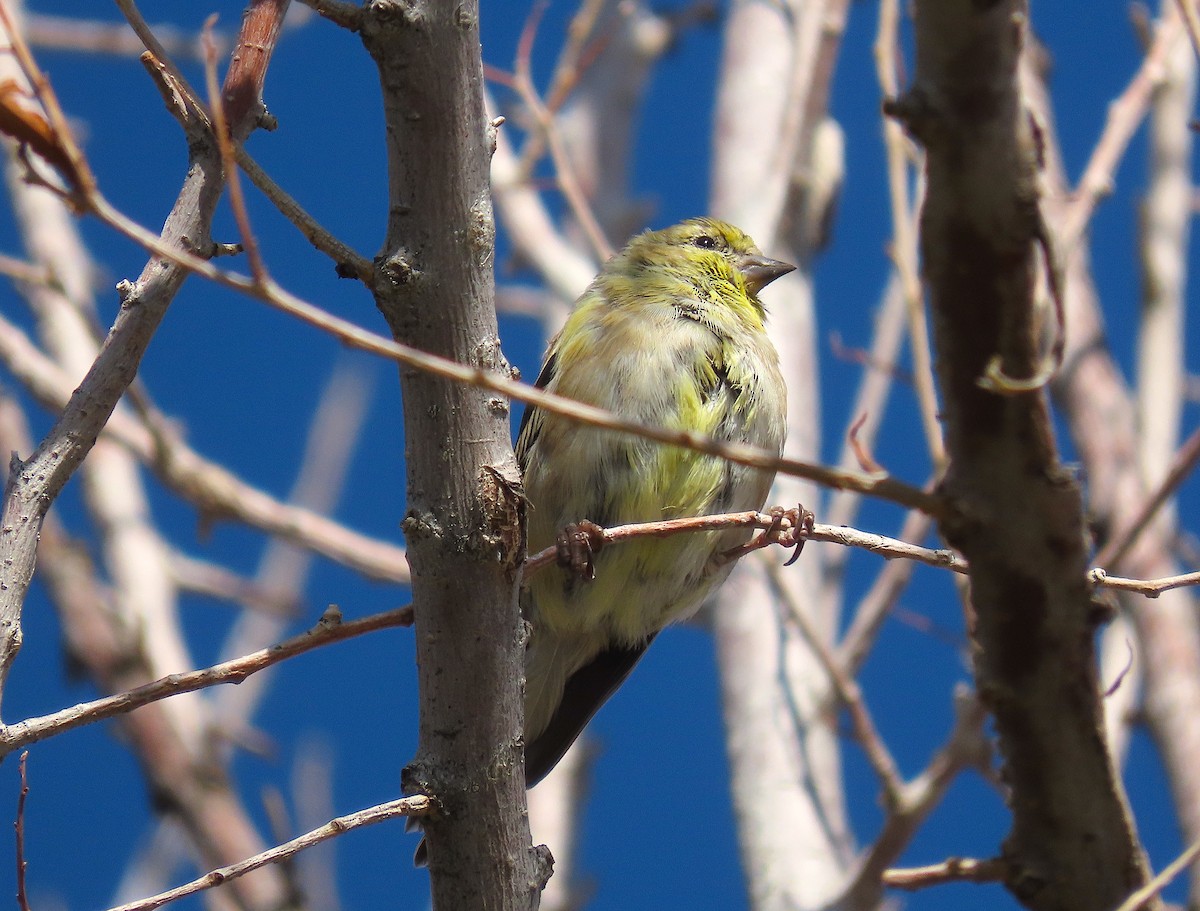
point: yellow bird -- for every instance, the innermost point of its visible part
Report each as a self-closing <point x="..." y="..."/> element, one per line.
<point x="670" y="334"/>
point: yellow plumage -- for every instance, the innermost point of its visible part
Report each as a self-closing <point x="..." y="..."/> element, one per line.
<point x="669" y="334"/>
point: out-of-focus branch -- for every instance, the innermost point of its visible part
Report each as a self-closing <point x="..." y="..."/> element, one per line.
<point x="880" y="598"/>
<point x="554" y="819"/>
<point x="217" y="492"/>
<point x="564" y="168"/>
<point x="967" y="747"/>
<point x="334" y="431"/>
<point x="141" y="637"/>
<point x="284" y="568"/>
<point x="531" y="229"/>
<point x="603" y="91"/>
<point x="211" y="580"/>
<point x="96" y="36"/>
<point x="1125" y="115"/>
<point x="794" y="838"/>
<point x="1018" y="513"/>
<point x="1182" y="464"/>
<point x="870" y="403"/>
<point x="1165" y="223"/>
<point x="111" y="652"/>
<point x="904" y="230"/>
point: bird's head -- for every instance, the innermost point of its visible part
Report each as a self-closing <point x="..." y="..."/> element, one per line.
<point x="712" y="246"/>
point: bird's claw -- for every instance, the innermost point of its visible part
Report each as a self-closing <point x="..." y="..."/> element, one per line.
<point x="800" y="525"/>
<point x="577" y="545"/>
<point x="802" y="522"/>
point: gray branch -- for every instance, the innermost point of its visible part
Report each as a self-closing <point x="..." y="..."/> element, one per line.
<point x="434" y="285"/>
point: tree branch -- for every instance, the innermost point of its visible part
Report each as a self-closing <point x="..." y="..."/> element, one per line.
<point x="464" y="526"/>
<point x="1017" y="514"/>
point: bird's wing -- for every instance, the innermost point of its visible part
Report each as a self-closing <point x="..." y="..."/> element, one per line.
<point x="531" y="419"/>
<point x="586" y="690"/>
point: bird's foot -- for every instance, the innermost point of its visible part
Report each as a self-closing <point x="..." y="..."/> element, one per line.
<point x="578" y="544"/>
<point x="800" y="522"/>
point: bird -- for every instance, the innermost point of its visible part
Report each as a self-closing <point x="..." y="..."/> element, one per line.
<point x="671" y="333"/>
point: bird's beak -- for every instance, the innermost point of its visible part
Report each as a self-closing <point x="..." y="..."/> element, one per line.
<point x="758" y="271"/>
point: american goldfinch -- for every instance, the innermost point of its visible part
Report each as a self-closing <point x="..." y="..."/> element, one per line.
<point x="669" y="334"/>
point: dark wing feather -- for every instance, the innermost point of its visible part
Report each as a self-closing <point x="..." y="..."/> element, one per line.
<point x="586" y="690"/>
<point x="531" y="425"/>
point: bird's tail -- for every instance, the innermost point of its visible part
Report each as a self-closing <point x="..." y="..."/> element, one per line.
<point x="567" y="680"/>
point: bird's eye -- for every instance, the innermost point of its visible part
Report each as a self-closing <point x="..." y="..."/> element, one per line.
<point x="705" y="242"/>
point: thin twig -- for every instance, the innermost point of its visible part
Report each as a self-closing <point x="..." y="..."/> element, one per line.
<point x="67" y="155"/>
<point x="564" y="169"/>
<point x="405" y="806"/>
<point x="142" y="29"/>
<point x="566" y="75"/>
<point x="904" y="232"/>
<point x="1151" y="588"/>
<point x="330" y="628"/>
<point x="879" y="600"/>
<point x="966" y="746"/>
<point x="1120" y="544"/>
<point x="354" y="336"/>
<point x="848" y="693"/>
<point x="22" y="863"/>
<point x="216" y="492"/>
<point x="850" y="537"/>
<point x="225" y="145"/>
<point x="349" y="262"/>
<point x="1160" y="882"/>
<point x="951" y="870"/>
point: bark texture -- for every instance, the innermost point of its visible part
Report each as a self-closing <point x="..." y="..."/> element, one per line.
<point x="1014" y="511"/>
<point x="434" y="286"/>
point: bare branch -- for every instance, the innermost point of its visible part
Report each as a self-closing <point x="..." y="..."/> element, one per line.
<point x="1125" y="115"/>
<point x="330" y="628"/>
<point x="954" y="870"/>
<point x="1099" y="409"/>
<point x="904" y="229"/>
<point x="968" y="746"/>
<point x="1018" y="513"/>
<point x="22" y="863"/>
<point x="216" y="491"/>
<point x="349" y="262"/>
<point x="96" y="36"/>
<point x="1142" y="896"/>
<point x="404" y="807"/>
<point x="1120" y="544"/>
